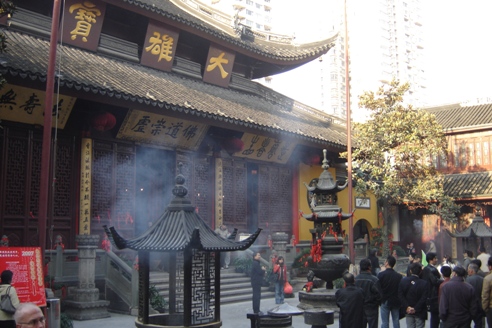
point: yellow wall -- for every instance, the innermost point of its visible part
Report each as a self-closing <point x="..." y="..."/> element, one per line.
<point x="306" y="174"/>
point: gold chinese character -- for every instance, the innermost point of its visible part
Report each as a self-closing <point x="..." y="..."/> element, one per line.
<point x="162" y="46"/>
<point x="86" y="16"/>
<point x="217" y="62"/>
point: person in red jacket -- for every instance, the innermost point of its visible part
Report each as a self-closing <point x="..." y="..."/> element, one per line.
<point x="280" y="269"/>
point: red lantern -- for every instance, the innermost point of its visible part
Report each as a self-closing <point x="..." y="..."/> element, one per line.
<point x="312" y="160"/>
<point x="233" y="145"/>
<point x="104" y="122"/>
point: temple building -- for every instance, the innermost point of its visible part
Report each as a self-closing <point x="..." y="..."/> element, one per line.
<point x="143" y="85"/>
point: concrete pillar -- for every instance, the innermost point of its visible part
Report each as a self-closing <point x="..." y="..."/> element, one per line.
<point x="86" y="304"/>
<point x="280" y="240"/>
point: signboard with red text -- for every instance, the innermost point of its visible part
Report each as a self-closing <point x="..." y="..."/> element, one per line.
<point x="27" y="265"/>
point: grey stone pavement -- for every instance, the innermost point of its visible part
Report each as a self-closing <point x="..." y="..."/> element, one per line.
<point x="232" y="315"/>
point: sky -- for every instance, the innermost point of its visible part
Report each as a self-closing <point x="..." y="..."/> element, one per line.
<point x="457" y="39"/>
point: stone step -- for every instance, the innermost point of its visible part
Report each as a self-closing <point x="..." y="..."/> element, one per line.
<point x="234" y="287"/>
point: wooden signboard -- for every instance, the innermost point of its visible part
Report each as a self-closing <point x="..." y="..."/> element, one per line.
<point x="27" y="265"/>
<point x="25" y="105"/>
<point x="140" y="126"/>
<point x="266" y="148"/>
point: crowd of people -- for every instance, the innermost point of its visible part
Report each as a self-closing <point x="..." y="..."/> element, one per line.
<point x="448" y="294"/>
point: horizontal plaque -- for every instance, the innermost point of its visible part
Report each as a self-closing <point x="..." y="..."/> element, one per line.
<point x="162" y="130"/>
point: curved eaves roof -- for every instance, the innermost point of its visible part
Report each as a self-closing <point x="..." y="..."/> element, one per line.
<point x="477" y="228"/>
<point x="457" y="116"/>
<point x="176" y="230"/>
<point x="27" y="57"/>
<point x="274" y="51"/>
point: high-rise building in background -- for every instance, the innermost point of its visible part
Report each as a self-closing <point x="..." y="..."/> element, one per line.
<point x="385" y="42"/>
<point x="256" y="14"/>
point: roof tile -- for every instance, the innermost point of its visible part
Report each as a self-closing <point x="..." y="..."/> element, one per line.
<point x="27" y="57"/>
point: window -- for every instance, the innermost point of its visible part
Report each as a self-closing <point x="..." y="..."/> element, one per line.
<point x="471" y="154"/>
<point x="249" y="12"/>
<point x="463" y="154"/>
<point x="443" y="161"/>
<point x="486" y="160"/>
<point x="259" y="6"/>
<point x="456" y="154"/>
<point x="478" y="153"/>
<point x="249" y="2"/>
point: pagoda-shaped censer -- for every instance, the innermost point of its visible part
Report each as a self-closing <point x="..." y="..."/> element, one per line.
<point x="326" y="259"/>
<point x="194" y="264"/>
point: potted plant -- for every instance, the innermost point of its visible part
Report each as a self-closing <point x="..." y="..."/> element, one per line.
<point x="157" y="302"/>
<point x="243" y="264"/>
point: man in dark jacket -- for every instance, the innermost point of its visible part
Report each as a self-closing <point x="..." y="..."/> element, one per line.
<point x="389" y="280"/>
<point x="350" y="300"/>
<point x="457" y="305"/>
<point x="477" y="283"/>
<point x="413" y="293"/>
<point x="433" y="278"/>
<point x="372" y="293"/>
<point x="257" y="273"/>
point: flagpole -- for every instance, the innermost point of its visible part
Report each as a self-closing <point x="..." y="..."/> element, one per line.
<point x="349" y="139"/>
<point x="46" y="145"/>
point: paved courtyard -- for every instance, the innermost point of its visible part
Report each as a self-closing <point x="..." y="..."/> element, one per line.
<point x="233" y="316"/>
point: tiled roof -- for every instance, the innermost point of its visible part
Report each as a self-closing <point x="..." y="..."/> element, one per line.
<point x="82" y="71"/>
<point x="468" y="185"/>
<point x="271" y="50"/>
<point x="456" y="116"/>
<point x="178" y="228"/>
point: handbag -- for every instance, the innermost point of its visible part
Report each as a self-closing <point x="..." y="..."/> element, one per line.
<point x="287" y="288"/>
<point x="6" y="303"/>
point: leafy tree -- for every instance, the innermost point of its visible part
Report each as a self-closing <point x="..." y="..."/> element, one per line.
<point x="6" y="8"/>
<point x="393" y="156"/>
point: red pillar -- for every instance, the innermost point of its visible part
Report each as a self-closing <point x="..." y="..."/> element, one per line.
<point x="295" y="202"/>
<point x="46" y="151"/>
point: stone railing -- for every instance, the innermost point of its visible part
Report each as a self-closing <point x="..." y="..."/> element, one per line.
<point x="63" y="268"/>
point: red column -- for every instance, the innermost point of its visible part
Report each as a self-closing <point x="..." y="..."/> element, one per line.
<point x="295" y="202"/>
<point x="46" y="151"/>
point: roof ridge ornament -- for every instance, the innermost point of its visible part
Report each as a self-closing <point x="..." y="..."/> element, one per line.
<point x="325" y="183"/>
<point x="179" y="189"/>
<point x="325" y="164"/>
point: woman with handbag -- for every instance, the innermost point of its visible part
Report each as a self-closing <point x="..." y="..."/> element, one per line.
<point x="6" y="317"/>
<point x="280" y="269"/>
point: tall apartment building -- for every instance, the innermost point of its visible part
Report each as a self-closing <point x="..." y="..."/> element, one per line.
<point x="385" y="42"/>
<point x="256" y="14"/>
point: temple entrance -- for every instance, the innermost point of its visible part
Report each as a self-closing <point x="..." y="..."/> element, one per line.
<point x="361" y="228"/>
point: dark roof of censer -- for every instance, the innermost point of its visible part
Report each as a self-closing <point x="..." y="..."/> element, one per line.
<point x="96" y="75"/>
<point x="476" y="229"/>
<point x="468" y="185"/>
<point x="180" y="227"/>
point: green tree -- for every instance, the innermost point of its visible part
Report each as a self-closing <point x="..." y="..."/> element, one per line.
<point x="6" y="9"/>
<point x="393" y="156"/>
